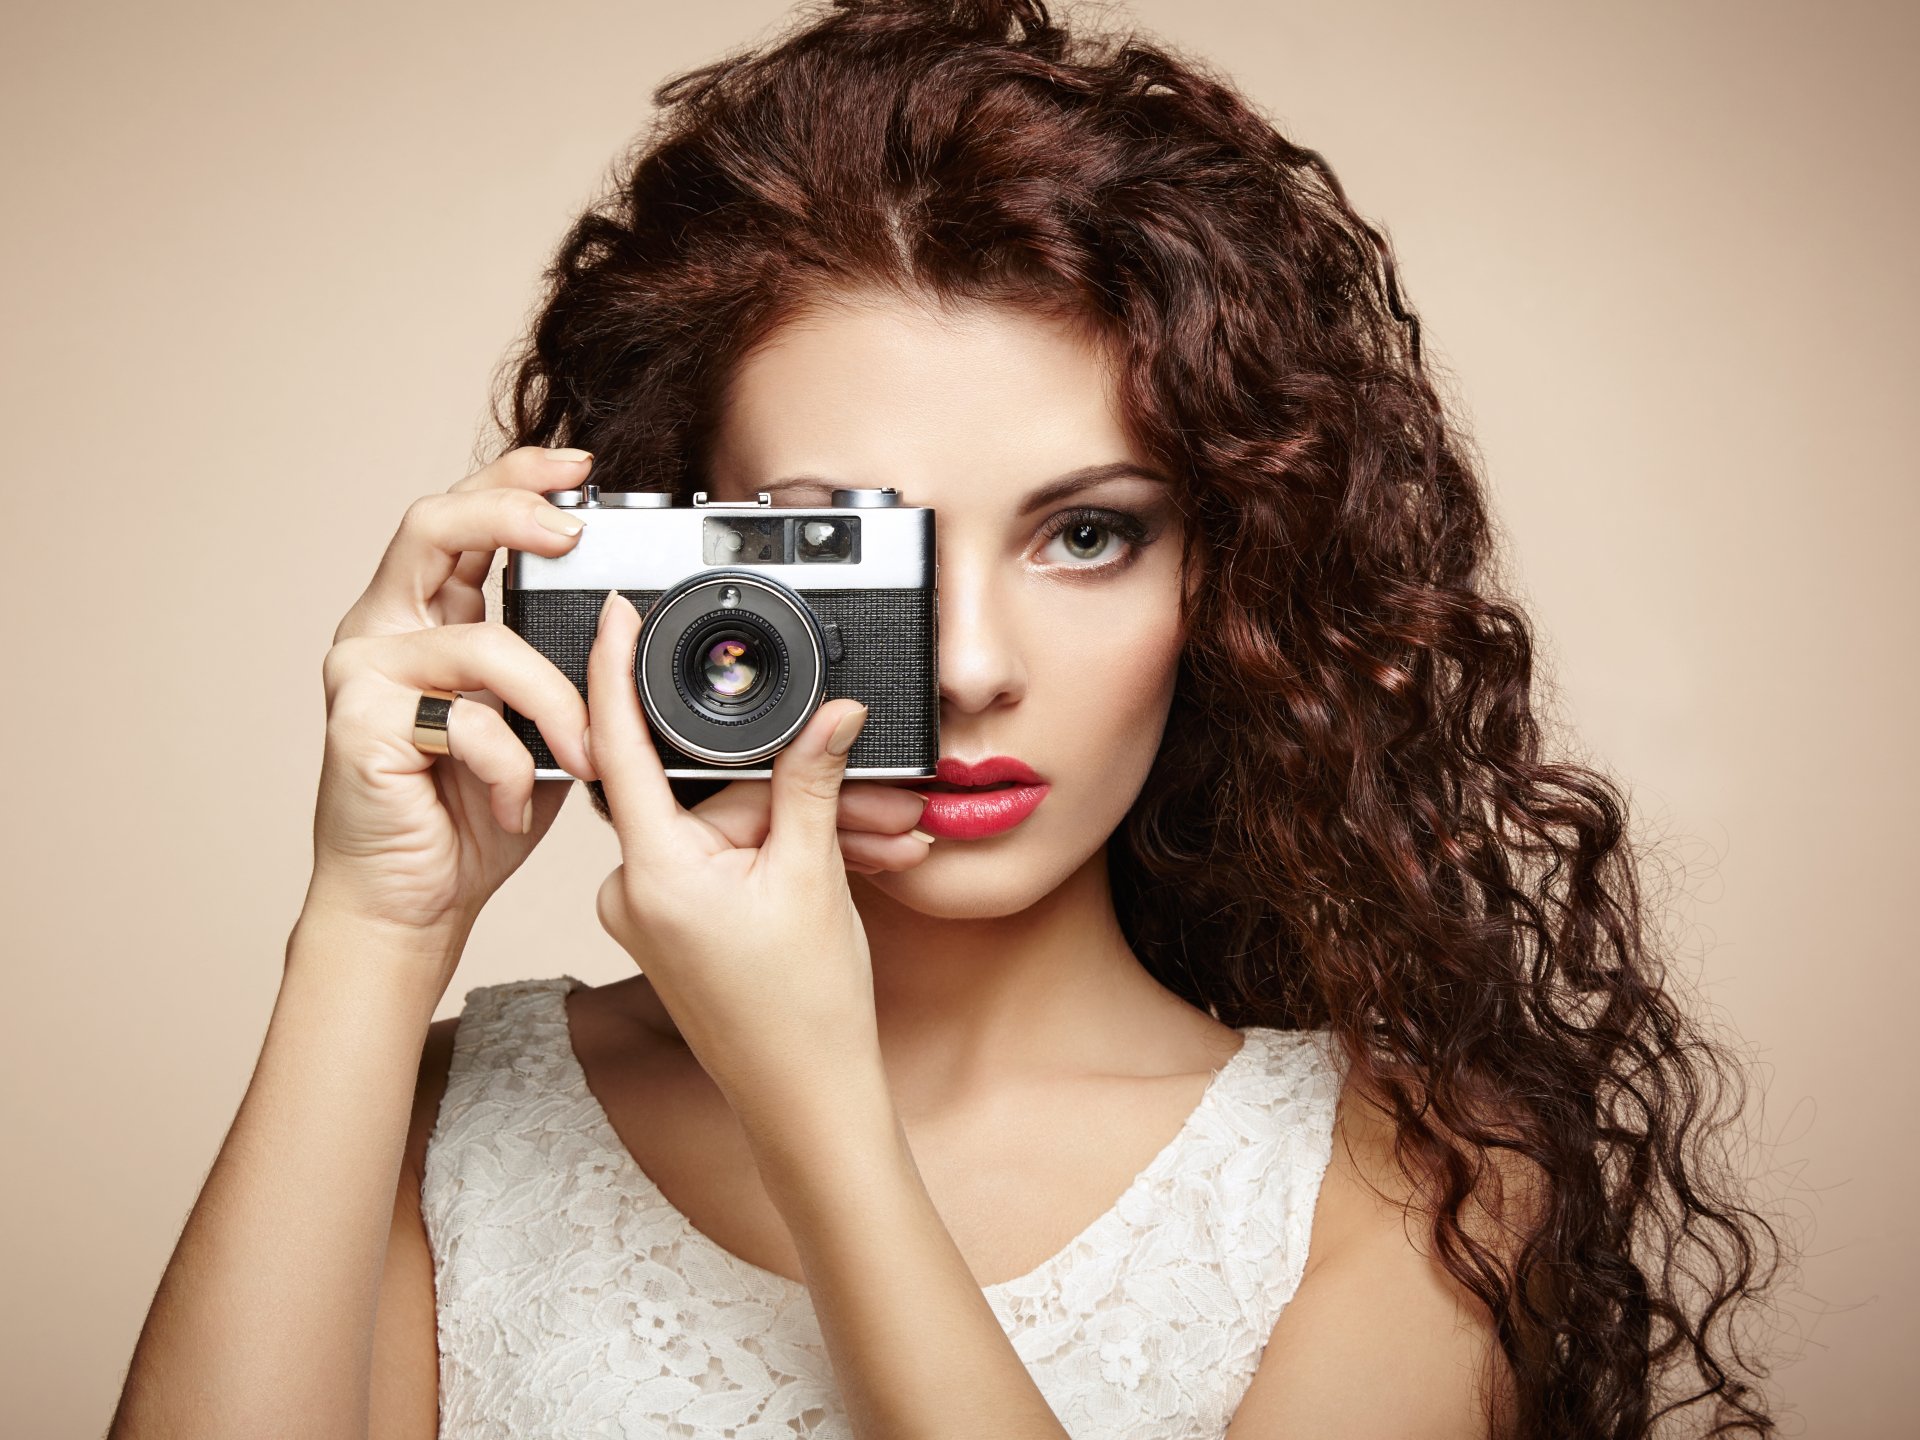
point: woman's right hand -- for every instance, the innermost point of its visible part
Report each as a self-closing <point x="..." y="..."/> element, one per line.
<point x="409" y="840"/>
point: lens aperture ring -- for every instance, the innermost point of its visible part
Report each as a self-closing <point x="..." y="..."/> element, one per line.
<point x="685" y="670"/>
<point x="712" y="628"/>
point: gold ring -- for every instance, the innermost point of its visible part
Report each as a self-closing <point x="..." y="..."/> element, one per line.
<point x="430" y="721"/>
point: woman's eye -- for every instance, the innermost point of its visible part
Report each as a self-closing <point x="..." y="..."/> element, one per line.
<point x="1095" y="539"/>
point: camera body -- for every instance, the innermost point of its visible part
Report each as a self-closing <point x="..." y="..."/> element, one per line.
<point x="753" y="617"/>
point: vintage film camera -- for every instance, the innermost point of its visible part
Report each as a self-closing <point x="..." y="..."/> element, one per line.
<point x="753" y="618"/>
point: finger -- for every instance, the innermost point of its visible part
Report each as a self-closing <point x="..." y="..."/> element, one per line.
<point x="474" y="567"/>
<point x="369" y="710"/>
<point x="489" y="656"/>
<point x="463" y="599"/>
<point x="480" y="739"/>
<point x="611" y="908"/>
<point x="806" y="784"/>
<point x="742" y="810"/>
<point x="882" y="809"/>
<point x="529" y="467"/>
<point x="438" y="532"/>
<point x="458" y="604"/>
<point x="862" y="850"/>
<point x="618" y="741"/>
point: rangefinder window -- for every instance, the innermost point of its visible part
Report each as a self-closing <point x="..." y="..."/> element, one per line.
<point x="744" y="540"/>
<point x="781" y="540"/>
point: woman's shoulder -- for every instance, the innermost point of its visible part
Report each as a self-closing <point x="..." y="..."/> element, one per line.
<point x="1276" y="1048"/>
<point x="1295" y="1076"/>
<point x="515" y="1007"/>
<point x="482" y="1004"/>
<point x="493" y="1019"/>
<point x="1376" y="1317"/>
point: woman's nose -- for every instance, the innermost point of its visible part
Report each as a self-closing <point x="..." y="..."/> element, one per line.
<point x="981" y="664"/>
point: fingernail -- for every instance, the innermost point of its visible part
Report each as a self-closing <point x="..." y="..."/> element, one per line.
<point x="843" y="735"/>
<point x="606" y="605"/>
<point x="569" y="456"/>
<point x="921" y="835"/>
<point x="559" y="521"/>
<point x="526" y="819"/>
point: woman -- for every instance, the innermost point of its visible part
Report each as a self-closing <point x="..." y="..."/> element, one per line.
<point x="1290" y="1055"/>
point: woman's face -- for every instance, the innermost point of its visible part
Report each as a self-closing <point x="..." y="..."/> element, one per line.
<point x="1059" y="614"/>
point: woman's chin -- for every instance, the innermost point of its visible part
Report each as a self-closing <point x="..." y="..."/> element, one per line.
<point x="953" y="889"/>
<point x="953" y="883"/>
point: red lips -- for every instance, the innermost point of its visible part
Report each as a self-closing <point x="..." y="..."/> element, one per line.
<point x="975" y="814"/>
<point x="991" y="771"/>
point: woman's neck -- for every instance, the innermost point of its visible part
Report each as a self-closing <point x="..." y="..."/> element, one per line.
<point x="966" y="1005"/>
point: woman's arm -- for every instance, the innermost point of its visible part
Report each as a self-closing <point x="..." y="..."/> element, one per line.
<point x="916" y="1349"/>
<point x="406" y="1343"/>
<point x="264" y="1318"/>
<point x="778" y="1008"/>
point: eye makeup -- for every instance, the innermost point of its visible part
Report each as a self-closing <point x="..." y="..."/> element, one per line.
<point x="1129" y="527"/>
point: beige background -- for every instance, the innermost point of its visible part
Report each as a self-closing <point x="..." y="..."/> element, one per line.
<point x="259" y="263"/>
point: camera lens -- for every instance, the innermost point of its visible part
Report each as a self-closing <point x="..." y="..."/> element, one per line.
<point x="731" y="669"/>
<point x="729" y="666"/>
<point x="728" y="663"/>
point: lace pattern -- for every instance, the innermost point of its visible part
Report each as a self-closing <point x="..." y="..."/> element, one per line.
<point x="575" y="1300"/>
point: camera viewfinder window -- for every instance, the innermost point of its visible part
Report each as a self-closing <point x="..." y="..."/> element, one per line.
<point x="826" y="540"/>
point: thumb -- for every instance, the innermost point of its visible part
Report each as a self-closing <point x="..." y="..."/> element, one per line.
<point x="610" y="906"/>
<point x="806" y="783"/>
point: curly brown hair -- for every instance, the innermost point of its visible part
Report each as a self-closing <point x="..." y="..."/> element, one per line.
<point x="1350" y="823"/>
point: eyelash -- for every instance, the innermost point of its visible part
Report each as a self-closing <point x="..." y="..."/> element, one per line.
<point x="1116" y="522"/>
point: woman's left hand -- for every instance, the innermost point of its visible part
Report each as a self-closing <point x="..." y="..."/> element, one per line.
<point x="757" y="951"/>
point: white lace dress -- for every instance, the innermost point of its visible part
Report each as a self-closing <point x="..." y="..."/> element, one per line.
<point x="575" y="1300"/>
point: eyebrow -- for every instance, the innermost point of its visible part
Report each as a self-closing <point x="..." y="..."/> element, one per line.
<point x="1054" y="491"/>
